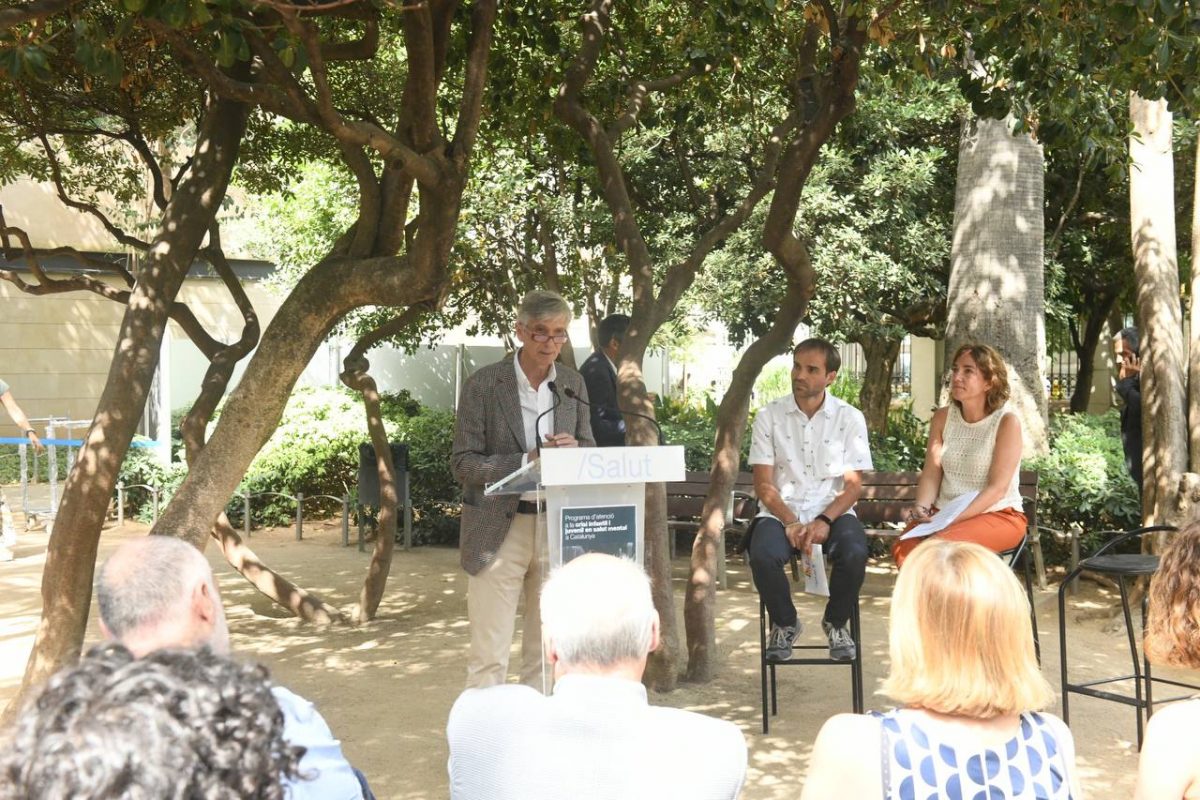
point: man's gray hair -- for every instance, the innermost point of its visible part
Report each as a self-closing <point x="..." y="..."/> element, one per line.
<point x="597" y="610"/>
<point x="146" y="580"/>
<point x="543" y="304"/>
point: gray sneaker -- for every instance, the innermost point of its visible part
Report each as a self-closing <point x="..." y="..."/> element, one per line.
<point x="779" y="643"/>
<point x="841" y="643"/>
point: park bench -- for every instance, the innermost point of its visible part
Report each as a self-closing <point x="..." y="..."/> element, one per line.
<point x="685" y="504"/>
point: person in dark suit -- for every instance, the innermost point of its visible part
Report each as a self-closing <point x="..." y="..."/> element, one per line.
<point x="1129" y="387"/>
<point x="501" y="425"/>
<point x="600" y="374"/>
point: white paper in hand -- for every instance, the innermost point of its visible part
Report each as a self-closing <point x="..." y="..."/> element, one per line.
<point x="943" y="517"/>
<point x="815" y="581"/>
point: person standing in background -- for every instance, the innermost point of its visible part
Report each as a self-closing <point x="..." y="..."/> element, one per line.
<point x="1129" y="387"/>
<point x="8" y="534"/>
<point x="599" y="372"/>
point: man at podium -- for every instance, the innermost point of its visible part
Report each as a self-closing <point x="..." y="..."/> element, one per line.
<point x="507" y="412"/>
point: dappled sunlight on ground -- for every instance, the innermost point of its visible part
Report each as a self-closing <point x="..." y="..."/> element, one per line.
<point x="386" y="687"/>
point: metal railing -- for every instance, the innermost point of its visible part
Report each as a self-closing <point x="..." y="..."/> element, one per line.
<point x="298" y="499"/>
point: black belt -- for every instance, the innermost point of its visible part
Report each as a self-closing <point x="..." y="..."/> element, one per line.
<point x="530" y="507"/>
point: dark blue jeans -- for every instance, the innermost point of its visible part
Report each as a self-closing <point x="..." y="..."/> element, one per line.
<point x="770" y="551"/>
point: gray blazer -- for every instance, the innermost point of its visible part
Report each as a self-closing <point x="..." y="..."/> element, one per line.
<point x="489" y="440"/>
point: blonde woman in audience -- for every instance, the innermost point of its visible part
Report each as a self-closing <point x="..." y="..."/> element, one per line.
<point x="1169" y="768"/>
<point x="964" y="673"/>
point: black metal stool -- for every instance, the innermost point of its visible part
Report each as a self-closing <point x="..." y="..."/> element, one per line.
<point x="1120" y="566"/>
<point x="765" y="666"/>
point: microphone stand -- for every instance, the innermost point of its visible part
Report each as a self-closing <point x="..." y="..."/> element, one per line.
<point x="537" y="422"/>
<point x="571" y="393"/>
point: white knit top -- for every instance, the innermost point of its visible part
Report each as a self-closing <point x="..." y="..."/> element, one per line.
<point x="967" y="449"/>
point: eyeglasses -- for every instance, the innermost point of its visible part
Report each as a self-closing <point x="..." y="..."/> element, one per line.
<point x="542" y="338"/>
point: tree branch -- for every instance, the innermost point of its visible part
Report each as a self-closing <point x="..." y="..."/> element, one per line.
<point x="12" y="16"/>
<point x="680" y="276"/>
<point x="569" y="107"/>
<point x="363" y="49"/>
<point x="139" y="144"/>
<point x="483" y="18"/>
<point x="87" y="208"/>
<point x="640" y="91"/>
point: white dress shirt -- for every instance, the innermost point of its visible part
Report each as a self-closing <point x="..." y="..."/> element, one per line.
<point x="595" y="738"/>
<point x="810" y="455"/>
<point x="533" y="402"/>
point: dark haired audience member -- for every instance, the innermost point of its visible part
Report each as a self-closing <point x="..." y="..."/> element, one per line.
<point x="1169" y="768"/>
<point x="173" y="724"/>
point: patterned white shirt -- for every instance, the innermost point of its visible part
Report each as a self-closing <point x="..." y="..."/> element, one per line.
<point x="810" y="455"/>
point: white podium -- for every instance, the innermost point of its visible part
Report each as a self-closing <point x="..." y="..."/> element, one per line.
<point x="594" y="497"/>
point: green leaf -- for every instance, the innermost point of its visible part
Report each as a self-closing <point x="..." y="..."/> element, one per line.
<point x="134" y="6"/>
<point x="200" y="12"/>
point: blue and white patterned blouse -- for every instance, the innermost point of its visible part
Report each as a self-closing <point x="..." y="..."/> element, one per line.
<point x="1030" y="766"/>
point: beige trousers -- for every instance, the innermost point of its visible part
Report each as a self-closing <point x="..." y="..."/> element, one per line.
<point x="492" y="596"/>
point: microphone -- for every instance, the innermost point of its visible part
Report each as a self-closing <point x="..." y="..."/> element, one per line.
<point x="571" y="393"/>
<point x="537" y="422"/>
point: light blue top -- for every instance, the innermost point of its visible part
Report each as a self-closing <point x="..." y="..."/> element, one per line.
<point x="1033" y="765"/>
<point x="326" y="773"/>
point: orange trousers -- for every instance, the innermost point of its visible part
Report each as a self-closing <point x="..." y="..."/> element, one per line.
<point x="996" y="530"/>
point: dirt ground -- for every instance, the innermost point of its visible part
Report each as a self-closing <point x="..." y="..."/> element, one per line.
<point x="386" y="687"/>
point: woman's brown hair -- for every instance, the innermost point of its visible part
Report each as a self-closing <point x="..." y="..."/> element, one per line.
<point x="991" y="367"/>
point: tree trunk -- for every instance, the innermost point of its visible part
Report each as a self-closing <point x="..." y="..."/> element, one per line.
<point x="996" y="294"/>
<point x="1085" y="351"/>
<point x="253" y="410"/>
<point x="875" y="397"/>
<point x="193" y="427"/>
<point x="1194" y="330"/>
<point x="661" y="670"/>
<point x="1160" y="319"/>
<point x="699" y="605"/>
<point x="356" y="377"/>
<point x="71" y="553"/>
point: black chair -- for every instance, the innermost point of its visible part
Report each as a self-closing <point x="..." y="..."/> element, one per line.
<point x="1019" y="555"/>
<point x="765" y="666"/>
<point x="1121" y="567"/>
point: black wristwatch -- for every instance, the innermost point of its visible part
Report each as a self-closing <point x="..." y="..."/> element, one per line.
<point x="824" y="518"/>
<point x="28" y="431"/>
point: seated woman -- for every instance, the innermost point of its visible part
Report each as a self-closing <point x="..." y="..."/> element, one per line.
<point x="974" y="446"/>
<point x="964" y="671"/>
<point x="1169" y="768"/>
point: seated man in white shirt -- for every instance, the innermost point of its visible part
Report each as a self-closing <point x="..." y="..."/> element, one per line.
<point x="596" y="736"/>
<point x="158" y="592"/>
<point x="808" y="451"/>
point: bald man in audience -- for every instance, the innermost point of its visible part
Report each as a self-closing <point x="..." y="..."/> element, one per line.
<point x="158" y="592"/>
<point x="596" y="737"/>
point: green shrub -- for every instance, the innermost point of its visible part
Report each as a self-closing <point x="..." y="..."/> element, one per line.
<point x="140" y="468"/>
<point x="315" y="451"/>
<point x="1082" y="482"/>
<point x="902" y="448"/>
<point x="695" y="428"/>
